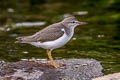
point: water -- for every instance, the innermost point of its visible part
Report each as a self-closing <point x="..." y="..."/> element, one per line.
<point x="99" y="39"/>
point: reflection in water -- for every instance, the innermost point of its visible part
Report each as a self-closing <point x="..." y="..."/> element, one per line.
<point x="29" y="24"/>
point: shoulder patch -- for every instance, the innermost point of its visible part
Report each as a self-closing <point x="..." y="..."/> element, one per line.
<point x="63" y="29"/>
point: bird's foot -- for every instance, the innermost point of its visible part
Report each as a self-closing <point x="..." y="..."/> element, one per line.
<point x="55" y="65"/>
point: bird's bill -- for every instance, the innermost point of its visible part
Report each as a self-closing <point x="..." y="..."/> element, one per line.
<point x="80" y="23"/>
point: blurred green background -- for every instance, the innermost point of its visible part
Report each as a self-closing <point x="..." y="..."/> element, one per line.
<point x="99" y="39"/>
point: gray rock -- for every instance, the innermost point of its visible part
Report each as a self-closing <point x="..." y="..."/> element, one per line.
<point x="114" y="76"/>
<point x="72" y="69"/>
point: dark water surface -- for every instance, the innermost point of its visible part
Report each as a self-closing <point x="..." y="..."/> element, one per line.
<point x="99" y="39"/>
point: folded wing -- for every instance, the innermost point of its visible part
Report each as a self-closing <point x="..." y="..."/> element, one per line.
<point x="50" y="33"/>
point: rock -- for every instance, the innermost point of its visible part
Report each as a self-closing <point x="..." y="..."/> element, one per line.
<point x="72" y="69"/>
<point x="114" y="76"/>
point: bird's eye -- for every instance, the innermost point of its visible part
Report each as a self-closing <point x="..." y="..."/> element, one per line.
<point x="73" y="22"/>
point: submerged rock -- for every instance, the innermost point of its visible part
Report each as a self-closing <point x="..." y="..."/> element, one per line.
<point x="71" y="69"/>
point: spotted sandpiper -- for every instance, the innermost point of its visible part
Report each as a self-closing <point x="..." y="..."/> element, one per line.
<point x="53" y="36"/>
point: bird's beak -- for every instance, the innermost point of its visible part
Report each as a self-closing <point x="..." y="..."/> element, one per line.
<point x="80" y="23"/>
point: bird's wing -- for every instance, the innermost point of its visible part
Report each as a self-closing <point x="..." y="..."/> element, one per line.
<point x="47" y="34"/>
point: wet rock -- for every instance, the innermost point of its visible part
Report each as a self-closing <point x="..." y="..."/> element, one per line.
<point x="71" y="69"/>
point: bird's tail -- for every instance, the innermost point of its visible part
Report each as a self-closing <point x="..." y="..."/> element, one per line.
<point x="19" y="39"/>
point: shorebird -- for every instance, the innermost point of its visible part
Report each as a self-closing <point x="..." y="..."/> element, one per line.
<point x="53" y="36"/>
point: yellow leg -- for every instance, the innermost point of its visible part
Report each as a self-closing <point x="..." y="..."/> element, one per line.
<point x="51" y="59"/>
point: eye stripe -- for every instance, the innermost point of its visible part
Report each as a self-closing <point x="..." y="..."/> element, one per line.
<point x="72" y="22"/>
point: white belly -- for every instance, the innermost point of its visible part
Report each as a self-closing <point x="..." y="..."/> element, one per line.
<point x="53" y="44"/>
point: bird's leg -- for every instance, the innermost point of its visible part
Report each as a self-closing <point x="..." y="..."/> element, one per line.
<point x="51" y="59"/>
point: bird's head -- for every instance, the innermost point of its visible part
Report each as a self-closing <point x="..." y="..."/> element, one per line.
<point x="71" y="21"/>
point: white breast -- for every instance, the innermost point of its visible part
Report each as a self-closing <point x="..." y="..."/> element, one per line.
<point x="56" y="43"/>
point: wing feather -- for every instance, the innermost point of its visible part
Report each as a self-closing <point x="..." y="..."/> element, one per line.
<point x="49" y="33"/>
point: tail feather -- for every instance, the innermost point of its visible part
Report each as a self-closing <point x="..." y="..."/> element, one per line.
<point x="23" y="39"/>
<point x="19" y="39"/>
